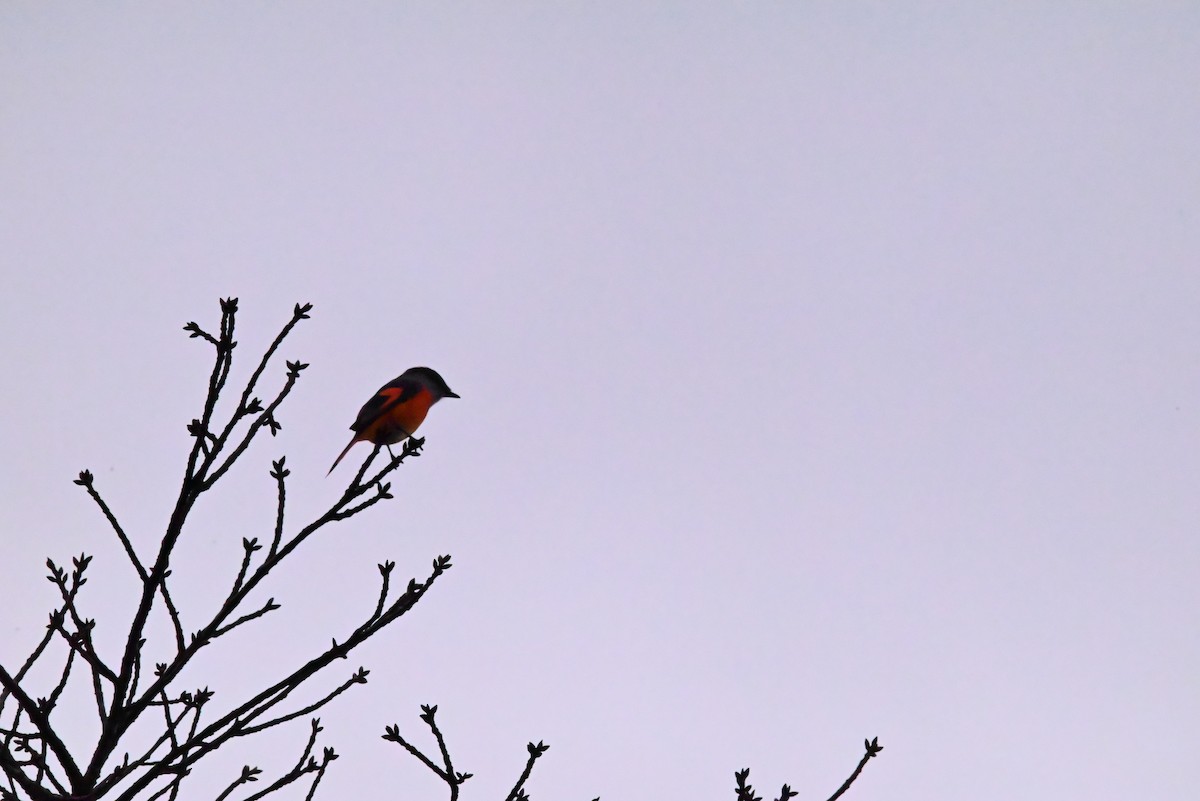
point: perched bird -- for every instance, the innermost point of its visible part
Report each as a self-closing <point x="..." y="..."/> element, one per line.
<point x="396" y="410"/>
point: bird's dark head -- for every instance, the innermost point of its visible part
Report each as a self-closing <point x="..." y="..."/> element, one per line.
<point x="431" y="379"/>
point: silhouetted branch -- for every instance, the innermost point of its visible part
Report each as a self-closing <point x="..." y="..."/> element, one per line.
<point x="269" y="606"/>
<point x="36" y="763"/>
<point x="81" y="643"/>
<point x="241" y="720"/>
<point x="385" y="570"/>
<point x="872" y="747"/>
<point x="305" y="764"/>
<point x="224" y="346"/>
<point x="243" y="588"/>
<point x="122" y="711"/>
<point x="85" y="480"/>
<point x="135" y="678"/>
<point x="392" y="733"/>
<point x="299" y="312"/>
<point x="412" y="447"/>
<point x="535" y="752"/>
<point x="311" y="766"/>
<point x="78" y="641"/>
<point x="249" y="774"/>
<point x="170" y="726"/>
<point x="745" y="792"/>
<point x="40" y="719"/>
<point x="189" y="705"/>
<point x="359" y="677"/>
<point x="39" y="767"/>
<point x="249" y="546"/>
<point x="381" y="494"/>
<point x="172" y="612"/>
<point x="56" y="620"/>
<point x="265" y="418"/>
<point x="427" y="715"/>
<point x="362" y="470"/>
<point x="48" y="703"/>
<point x="329" y="756"/>
<point x="446" y="771"/>
<point x="279" y="473"/>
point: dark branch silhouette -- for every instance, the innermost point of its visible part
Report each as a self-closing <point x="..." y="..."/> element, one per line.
<point x="151" y="732"/>
<point x="745" y="792"/>
<point x="445" y="770"/>
<point x="38" y="765"/>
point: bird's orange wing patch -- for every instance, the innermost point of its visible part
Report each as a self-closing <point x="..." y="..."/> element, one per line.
<point x="397" y="420"/>
<point x="383" y="400"/>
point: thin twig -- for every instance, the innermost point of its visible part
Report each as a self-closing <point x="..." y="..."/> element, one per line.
<point x="385" y="570"/>
<point x="85" y="480"/>
<point x="312" y="791"/>
<point x="56" y="619"/>
<point x="535" y="751"/>
<point x="429" y="719"/>
<point x="81" y="643"/>
<point x="171" y="725"/>
<point x="249" y="546"/>
<point x="228" y="321"/>
<point x="249" y="774"/>
<point x="279" y="473"/>
<point x="172" y="612"/>
<point x="52" y="700"/>
<point x="872" y="748"/>
<point x="269" y="606"/>
<point x="359" y="677"/>
<point x="299" y="312"/>
<point x="40" y="720"/>
<point x="313" y="731"/>
<point x="136" y="677"/>
<point x="312" y="766"/>
<point x="266" y="417"/>
<point x="392" y="733"/>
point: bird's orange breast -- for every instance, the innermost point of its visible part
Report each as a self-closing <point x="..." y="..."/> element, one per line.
<point x="399" y="421"/>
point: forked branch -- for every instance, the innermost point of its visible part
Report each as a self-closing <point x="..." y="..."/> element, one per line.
<point x="37" y="764"/>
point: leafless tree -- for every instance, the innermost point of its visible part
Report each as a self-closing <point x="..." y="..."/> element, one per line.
<point x="133" y="697"/>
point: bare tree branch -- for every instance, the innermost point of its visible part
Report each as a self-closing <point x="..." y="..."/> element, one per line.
<point x="872" y="748"/>
<point x="85" y="480"/>
<point x="41" y="721"/>
<point x="280" y="475"/>
<point x="446" y="772"/>
<point x="745" y="792"/>
<point x="139" y="757"/>
<point x="249" y="774"/>
<point x="535" y="752"/>
<point x="359" y="677"/>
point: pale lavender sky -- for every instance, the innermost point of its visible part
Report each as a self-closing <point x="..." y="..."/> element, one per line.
<point x="829" y="370"/>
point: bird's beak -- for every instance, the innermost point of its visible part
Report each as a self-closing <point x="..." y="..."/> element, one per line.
<point x="451" y="395"/>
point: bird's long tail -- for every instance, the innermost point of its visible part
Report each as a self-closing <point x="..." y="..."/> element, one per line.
<point x="343" y="453"/>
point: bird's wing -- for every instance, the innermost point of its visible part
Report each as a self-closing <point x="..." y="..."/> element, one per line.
<point x="389" y="395"/>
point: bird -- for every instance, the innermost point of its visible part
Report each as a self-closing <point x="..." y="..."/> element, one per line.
<point x="394" y="412"/>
